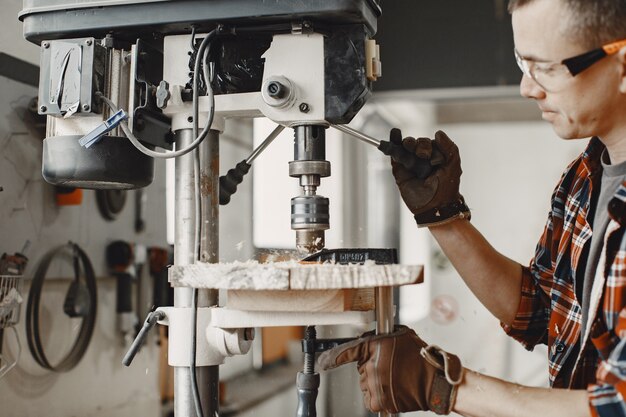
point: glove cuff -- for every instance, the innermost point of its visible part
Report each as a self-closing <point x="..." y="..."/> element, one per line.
<point x="448" y="376"/>
<point x="442" y="215"/>
<point x="442" y="395"/>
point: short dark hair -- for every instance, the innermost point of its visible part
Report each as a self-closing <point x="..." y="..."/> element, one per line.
<point x="596" y="22"/>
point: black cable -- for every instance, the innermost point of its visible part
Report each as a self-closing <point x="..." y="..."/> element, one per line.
<point x="202" y="54"/>
<point x="33" y="333"/>
<point x="192" y="359"/>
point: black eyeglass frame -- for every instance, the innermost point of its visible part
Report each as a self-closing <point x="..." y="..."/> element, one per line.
<point x="579" y="63"/>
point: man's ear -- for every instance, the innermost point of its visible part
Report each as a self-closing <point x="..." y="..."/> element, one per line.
<point x="621" y="57"/>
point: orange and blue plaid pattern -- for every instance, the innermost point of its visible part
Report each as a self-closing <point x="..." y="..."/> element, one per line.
<point x="549" y="311"/>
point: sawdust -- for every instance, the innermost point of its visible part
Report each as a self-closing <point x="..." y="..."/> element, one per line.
<point x="235" y="275"/>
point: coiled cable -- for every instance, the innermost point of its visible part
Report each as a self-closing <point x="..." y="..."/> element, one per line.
<point x="33" y="333"/>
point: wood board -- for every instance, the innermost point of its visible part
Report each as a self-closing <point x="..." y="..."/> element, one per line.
<point x="252" y="275"/>
<point x="357" y="299"/>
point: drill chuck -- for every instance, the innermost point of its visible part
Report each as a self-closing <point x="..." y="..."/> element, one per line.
<point x="310" y="212"/>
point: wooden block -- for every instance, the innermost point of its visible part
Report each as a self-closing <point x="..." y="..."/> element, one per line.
<point x="302" y="300"/>
<point x="166" y="372"/>
<point x="293" y="276"/>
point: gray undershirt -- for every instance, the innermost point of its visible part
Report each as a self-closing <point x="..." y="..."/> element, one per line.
<point x="612" y="178"/>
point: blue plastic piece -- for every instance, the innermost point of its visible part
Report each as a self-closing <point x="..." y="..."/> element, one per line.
<point x="95" y="135"/>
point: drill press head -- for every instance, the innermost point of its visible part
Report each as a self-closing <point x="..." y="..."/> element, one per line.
<point x="304" y="65"/>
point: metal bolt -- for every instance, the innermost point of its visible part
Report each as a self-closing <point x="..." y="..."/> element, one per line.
<point x="43" y="109"/>
<point x="88" y="42"/>
<point x="304" y="108"/>
<point x="309" y="358"/>
<point x="86" y="107"/>
<point x="46" y="45"/>
<point x="248" y="334"/>
<point x="276" y="90"/>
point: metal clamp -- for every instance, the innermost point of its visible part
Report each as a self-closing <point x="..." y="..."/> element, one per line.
<point x="95" y="135"/>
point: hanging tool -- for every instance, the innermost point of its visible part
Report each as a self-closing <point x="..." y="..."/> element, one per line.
<point x="140" y="202"/>
<point x="68" y="196"/>
<point x="82" y="266"/>
<point x="11" y="281"/>
<point x="421" y="167"/>
<point x="120" y="256"/>
<point x="110" y="203"/>
<point x="234" y="176"/>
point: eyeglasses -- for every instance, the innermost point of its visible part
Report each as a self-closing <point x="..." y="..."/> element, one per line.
<point x="553" y="76"/>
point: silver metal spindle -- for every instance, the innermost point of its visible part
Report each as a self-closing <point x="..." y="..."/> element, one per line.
<point x="384" y="319"/>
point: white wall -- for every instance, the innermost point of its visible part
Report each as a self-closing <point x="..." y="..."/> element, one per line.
<point x="11" y="40"/>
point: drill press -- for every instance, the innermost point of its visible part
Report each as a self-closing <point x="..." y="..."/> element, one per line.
<point x="304" y="65"/>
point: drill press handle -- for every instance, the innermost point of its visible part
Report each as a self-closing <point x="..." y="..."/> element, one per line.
<point x="422" y="168"/>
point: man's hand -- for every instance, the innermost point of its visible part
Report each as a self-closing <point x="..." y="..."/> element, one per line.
<point x="400" y="372"/>
<point x="434" y="200"/>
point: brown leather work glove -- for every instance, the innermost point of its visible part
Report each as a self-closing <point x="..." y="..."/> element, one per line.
<point x="434" y="200"/>
<point x="400" y="372"/>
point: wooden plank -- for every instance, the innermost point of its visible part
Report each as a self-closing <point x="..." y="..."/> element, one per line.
<point x="353" y="276"/>
<point x="292" y="275"/>
<point x="360" y="299"/>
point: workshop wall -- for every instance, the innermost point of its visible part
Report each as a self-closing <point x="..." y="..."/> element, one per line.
<point x="99" y="386"/>
<point x="28" y="213"/>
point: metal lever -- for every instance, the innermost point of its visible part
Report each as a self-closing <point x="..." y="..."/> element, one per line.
<point x="148" y="324"/>
<point x="422" y="168"/>
<point x="234" y="176"/>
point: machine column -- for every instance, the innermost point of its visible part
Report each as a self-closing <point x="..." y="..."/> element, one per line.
<point x="185" y="227"/>
<point x="209" y="252"/>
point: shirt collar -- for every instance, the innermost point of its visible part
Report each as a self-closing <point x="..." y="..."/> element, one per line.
<point x="591" y="159"/>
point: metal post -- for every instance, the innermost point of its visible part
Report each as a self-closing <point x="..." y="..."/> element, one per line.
<point x="209" y="250"/>
<point x="184" y="240"/>
<point x="384" y="318"/>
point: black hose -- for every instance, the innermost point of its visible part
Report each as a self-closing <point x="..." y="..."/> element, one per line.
<point x="83" y="339"/>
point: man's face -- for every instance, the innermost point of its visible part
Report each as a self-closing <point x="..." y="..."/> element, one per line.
<point x="586" y="104"/>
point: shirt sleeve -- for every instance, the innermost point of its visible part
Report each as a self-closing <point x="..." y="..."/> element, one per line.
<point x="530" y="326"/>
<point x="606" y="397"/>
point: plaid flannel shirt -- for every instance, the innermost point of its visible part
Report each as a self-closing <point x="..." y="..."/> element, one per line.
<point x="549" y="311"/>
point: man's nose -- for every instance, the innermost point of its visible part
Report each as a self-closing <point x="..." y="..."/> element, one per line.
<point x="529" y="88"/>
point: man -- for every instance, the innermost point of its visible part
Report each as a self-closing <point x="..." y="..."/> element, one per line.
<point x="572" y="297"/>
